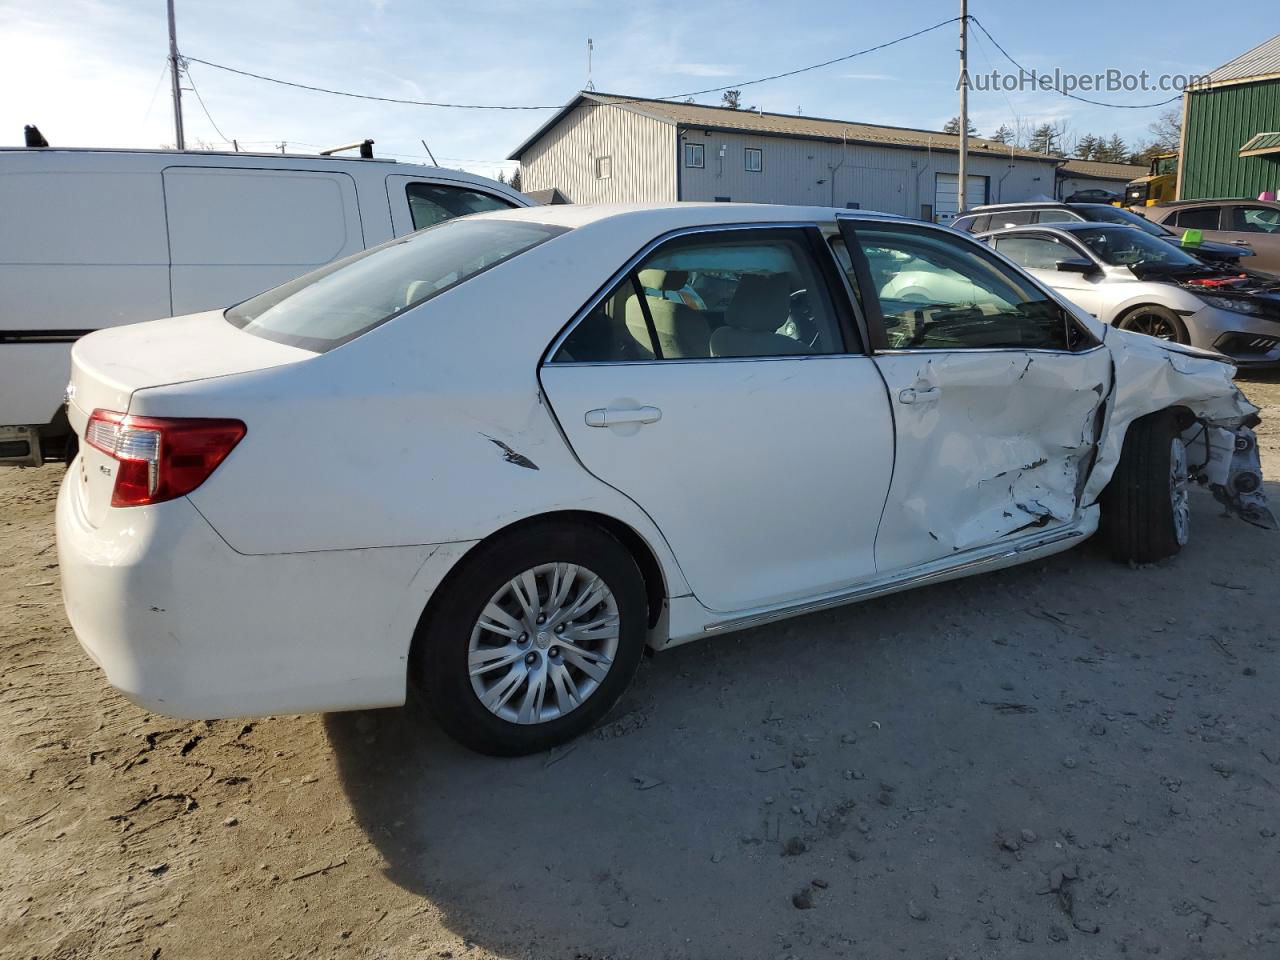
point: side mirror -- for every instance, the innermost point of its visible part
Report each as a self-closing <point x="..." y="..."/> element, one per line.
<point x="1076" y="265"/>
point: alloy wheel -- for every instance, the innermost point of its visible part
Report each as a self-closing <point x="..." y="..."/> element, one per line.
<point x="543" y="643"/>
<point x="1153" y="325"/>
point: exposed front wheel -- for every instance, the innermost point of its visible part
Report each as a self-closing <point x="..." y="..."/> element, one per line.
<point x="1146" y="509"/>
<point x="1156" y="321"/>
<point x="534" y="639"/>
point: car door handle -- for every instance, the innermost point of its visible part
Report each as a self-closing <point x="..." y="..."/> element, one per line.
<point x="603" y="417"/>
<point x="1241" y="243"/>
<point x="914" y="395"/>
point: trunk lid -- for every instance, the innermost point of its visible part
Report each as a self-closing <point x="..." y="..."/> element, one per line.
<point x="108" y="366"/>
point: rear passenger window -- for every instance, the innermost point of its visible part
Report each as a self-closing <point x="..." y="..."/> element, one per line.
<point x="1203" y="218"/>
<point x="737" y="293"/>
<point x="1013" y="218"/>
<point x="432" y="203"/>
<point x="1056" y="216"/>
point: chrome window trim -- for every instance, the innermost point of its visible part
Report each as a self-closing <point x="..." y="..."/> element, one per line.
<point x="615" y="278"/>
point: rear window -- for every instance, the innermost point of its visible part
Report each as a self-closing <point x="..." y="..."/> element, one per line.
<point x="339" y="302"/>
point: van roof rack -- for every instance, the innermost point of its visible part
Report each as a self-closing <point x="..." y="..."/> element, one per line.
<point x="364" y="146"/>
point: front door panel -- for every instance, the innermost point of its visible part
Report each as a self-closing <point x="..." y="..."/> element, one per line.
<point x="766" y="476"/>
<point x="989" y="443"/>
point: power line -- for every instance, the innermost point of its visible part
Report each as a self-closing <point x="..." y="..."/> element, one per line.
<point x="1096" y="103"/>
<point x="191" y="80"/>
<point x="557" y="106"/>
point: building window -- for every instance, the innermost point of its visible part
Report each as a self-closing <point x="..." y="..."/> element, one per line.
<point x="695" y="155"/>
<point x="754" y="158"/>
<point x="604" y="168"/>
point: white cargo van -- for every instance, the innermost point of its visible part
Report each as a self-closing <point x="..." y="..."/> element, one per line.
<point x="95" y="238"/>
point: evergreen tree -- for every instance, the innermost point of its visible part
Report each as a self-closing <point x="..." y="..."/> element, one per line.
<point x="953" y="127"/>
<point x="1002" y="135"/>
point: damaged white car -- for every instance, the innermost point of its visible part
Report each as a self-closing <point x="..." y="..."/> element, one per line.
<point x="500" y="456"/>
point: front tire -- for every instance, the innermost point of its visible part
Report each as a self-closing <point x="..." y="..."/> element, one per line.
<point x="1156" y="321"/>
<point x="1146" y="511"/>
<point x="533" y="639"/>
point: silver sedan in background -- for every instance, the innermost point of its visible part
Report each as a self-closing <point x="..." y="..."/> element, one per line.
<point x="1129" y="279"/>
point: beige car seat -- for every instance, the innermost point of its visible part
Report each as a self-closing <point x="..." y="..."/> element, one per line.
<point x="682" y="332"/>
<point x="760" y="305"/>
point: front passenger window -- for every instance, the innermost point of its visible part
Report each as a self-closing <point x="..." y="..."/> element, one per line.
<point x="939" y="292"/>
<point x="432" y="203"/>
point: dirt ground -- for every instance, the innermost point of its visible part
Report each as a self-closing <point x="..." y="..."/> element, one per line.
<point x="1069" y="759"/>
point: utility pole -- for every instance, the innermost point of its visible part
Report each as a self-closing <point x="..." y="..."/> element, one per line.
<point x="175" y="69"/>
<point x="963" y="184"/>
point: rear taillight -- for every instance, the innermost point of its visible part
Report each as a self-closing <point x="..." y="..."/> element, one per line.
<point x="160" y="458"/>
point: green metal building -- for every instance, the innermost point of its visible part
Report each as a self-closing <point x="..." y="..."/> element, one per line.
<point x="1231" y="129"/>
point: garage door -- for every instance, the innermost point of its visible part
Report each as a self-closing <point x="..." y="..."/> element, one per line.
<point x="945" y="208"/>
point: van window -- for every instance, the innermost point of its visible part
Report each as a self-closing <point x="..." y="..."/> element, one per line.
<point x="337" y="303"/>
<point x="432" y="203"/>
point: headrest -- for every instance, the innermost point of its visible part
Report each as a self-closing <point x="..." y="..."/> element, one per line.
<point x="656" y="279"/>
<point x="762" y="302"/>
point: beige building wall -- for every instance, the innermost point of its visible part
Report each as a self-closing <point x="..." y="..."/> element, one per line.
<point x="640" y="151"/>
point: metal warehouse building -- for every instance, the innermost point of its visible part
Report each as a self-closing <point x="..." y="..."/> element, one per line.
<point x="1075" y="175"/>
<point x="604" y="148"/>
<point x="1231" y="130"/>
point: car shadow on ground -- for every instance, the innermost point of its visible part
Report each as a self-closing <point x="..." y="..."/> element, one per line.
<point x="908" y="770"/>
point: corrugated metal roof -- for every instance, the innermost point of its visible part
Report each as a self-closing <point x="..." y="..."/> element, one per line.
<point x="1102" y="170"/>
<point x="1261" y="143"/>
<point x="1262" y="61"/>
<point x="785" y="125"/>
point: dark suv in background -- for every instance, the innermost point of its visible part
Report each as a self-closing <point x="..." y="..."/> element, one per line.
<point x="1002" y="215"/>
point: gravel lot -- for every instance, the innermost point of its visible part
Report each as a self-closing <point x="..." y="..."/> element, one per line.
<point x="1071" y="759"/>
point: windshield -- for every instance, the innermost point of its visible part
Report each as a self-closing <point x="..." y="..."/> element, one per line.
<point x="339" y="302"/>
<point x="1103" y="214"/>
<point x="1125" y="247"/>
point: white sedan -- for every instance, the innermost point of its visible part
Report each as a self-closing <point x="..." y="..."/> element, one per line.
<point x="500" y="456"/>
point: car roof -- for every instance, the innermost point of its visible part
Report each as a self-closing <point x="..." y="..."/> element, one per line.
<point x="1020" y="205"/>
<point x="674" y="216"/>
<point x="1073" y="226"/>
<point x="1217" y="202"/>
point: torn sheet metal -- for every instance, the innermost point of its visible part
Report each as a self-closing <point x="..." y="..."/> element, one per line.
<point x="988" y="443"/>
<point x="1153" y="375"/>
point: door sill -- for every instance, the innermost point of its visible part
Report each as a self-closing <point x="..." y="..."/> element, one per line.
<point x="1004" y="554"/>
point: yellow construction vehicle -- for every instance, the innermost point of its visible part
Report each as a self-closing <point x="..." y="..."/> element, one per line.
<point x="1160" y="185"/>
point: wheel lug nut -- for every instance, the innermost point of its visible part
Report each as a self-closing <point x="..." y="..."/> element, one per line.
<point x="524" y="638"/>
<point x="531" y="659"/>
<point x="560" y="628"/>
<point x="541" y="618"/>
<point x="553" y="652"/>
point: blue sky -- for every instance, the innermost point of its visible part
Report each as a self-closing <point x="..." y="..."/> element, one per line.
<point x="90" y="72"/>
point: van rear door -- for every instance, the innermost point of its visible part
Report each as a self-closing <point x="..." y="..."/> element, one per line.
<point x="235" y="232"/>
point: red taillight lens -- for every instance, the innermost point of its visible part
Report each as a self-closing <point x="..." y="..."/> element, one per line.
<point x="160" y="457"/>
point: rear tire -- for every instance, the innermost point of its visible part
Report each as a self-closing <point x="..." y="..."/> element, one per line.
<point x="1156" y="321"/>
<point x="458" y="658"/>
<point x="1145" y="510"/>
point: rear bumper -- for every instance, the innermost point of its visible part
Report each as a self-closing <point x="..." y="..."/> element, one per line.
<point x="183" y="625"/>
